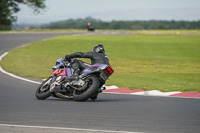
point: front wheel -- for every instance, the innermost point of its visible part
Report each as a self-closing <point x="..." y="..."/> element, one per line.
<point x="43" y="91"/>
<point x="93" y="86"/>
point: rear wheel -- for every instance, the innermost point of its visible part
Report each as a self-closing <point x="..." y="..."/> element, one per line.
<point x="92" y="88"/>
<point x="43" y="91"/>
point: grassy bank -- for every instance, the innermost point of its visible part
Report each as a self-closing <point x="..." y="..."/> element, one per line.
<point x="166" y="63"/>
<point x="131" y="32"/>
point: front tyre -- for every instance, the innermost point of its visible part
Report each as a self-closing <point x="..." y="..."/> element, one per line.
<point x="93" y="86"/>
<point x="43" y="91"/>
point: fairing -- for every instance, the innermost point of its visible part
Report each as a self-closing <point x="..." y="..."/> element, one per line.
<point x="59" y="69"/>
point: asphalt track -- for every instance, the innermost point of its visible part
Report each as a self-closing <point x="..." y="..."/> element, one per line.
<point x="20" y="111"/>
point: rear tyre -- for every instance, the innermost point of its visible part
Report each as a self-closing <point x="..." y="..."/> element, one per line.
<point x="93" y="86"/>
<point x="43" y="91"/>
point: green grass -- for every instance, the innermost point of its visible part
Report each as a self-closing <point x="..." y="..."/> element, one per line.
<point x="166" y="63"/>
<point x="165" y="32"/>
<point x="133" y="32"/>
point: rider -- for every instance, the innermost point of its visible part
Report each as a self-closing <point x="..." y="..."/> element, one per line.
<point x="97" y="56"/>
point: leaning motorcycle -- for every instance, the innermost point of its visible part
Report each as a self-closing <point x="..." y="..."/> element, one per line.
<point x="89" y="84"/>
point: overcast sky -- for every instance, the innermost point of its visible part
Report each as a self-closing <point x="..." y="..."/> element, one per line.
<point x="108" y="10"/>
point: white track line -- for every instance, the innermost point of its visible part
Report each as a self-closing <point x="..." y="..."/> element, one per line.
<point x="63" y="128"/>
<point x="145" y="93"/>
<point x="44" y="127"/>
<point x="12" y="75"/>
<point x="3" y="55"/>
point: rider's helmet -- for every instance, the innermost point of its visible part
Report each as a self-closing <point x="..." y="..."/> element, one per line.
<point x="99" y="49"/>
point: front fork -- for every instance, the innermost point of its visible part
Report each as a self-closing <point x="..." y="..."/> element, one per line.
<point x="55" y="85"/>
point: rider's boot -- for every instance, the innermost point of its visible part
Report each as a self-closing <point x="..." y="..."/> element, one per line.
<point x="75" y="76"/>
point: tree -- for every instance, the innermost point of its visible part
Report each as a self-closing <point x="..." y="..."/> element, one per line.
<point x="9" y="7"/>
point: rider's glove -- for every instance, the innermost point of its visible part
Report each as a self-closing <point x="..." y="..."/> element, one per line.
<point x="67" y="58"/>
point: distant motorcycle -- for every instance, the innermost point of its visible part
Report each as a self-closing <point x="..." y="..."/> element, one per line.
<point x="89" y="85"/>
<point x="90" y="27"/>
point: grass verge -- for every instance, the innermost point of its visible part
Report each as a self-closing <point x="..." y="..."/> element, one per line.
<point x="165" y="63"/>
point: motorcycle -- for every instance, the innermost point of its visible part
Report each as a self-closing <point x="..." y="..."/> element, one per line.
<point x="89" y="84"/>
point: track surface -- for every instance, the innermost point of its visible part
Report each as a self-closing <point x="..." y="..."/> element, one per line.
<point x="18" y="106"/>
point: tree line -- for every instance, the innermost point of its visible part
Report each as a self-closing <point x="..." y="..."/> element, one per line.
<point x="127" y="25"/>
<point x="9" y="8"/>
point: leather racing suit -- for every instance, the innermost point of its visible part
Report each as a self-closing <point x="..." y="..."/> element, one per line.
<point x="78" y="65"/>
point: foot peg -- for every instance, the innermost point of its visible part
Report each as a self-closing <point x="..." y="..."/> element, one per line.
<point x="103" y="88"/>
